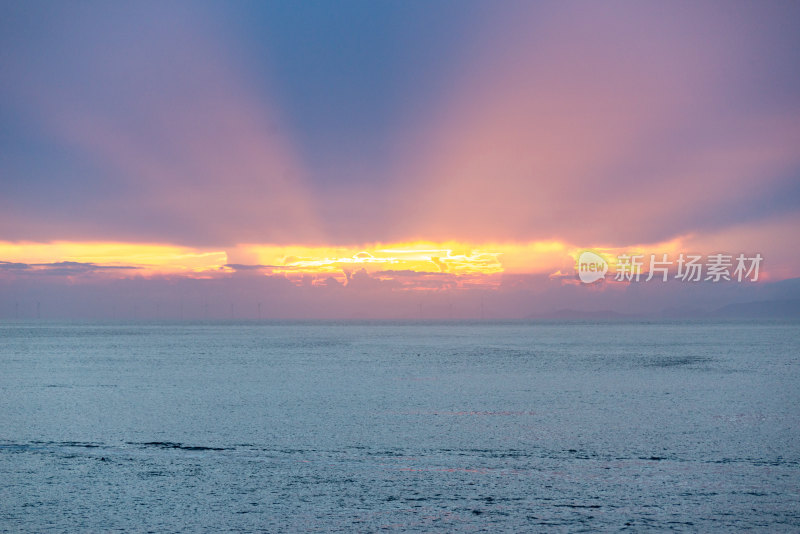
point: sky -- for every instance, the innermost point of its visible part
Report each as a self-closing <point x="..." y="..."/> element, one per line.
<point x="395" y="159"/>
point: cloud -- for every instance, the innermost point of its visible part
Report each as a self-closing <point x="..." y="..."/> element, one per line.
<point x="143" y="126"/>
<point x="410" y="273"/>
<point x="275" y="297"/>
<point x="611" y="123"/>
<point x="7" y="265"/>
<point x="60" y="268"/>
<point x="549" y="126"/>
<point x="242" y="267"/>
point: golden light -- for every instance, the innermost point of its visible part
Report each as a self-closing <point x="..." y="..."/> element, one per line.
<point x="414" y="264"/>
<point x="147" y="259"/>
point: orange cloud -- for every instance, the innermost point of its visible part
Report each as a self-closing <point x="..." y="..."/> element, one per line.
<point x="148" y="259"/>
<point x="606" y="125"/>
<point x="187" y="150"/>
<point x="411" y="265"/>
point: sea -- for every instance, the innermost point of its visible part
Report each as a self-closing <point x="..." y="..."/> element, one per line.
<point x="684" y="426"/>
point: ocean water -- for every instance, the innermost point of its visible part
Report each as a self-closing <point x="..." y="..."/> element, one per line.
<point x="347" y="427"/>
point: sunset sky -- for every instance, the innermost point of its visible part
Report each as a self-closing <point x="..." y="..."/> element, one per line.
<point x="391" y="159"/>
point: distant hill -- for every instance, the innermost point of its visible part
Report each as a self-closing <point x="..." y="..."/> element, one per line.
<point x="788" y="289"/>
<point x="764" y="309"/>
<point x="569" y="314"/>
<point x="684" y="313"/>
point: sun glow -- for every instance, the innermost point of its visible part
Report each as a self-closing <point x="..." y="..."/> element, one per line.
<point x="143" y="259"/>
<point x="409" y="265"/>
<point x="421" y="257"/>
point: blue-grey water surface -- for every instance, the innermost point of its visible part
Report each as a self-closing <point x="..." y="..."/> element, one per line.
<point x="400" y="427"/>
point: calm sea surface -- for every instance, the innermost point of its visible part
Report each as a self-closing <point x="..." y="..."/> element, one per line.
<point x="400" y="427"/>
